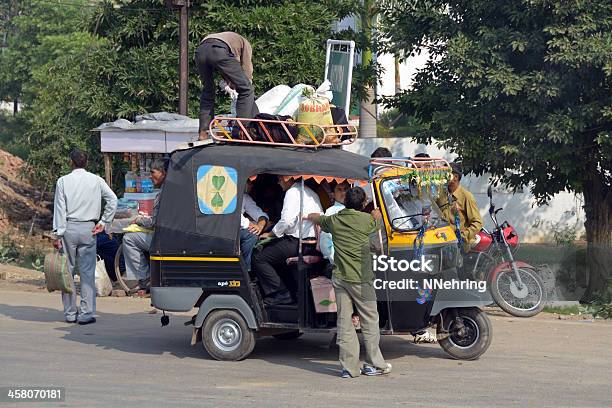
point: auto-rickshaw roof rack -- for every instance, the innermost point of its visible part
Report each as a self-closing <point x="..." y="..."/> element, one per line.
<point x="280" y="132"/>
<point x="399" y="166"/>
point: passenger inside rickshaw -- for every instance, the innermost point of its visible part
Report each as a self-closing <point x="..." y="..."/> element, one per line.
<point x="274" y="263"/>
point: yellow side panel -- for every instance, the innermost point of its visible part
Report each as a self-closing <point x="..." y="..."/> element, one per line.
<point x="443" y="235"/>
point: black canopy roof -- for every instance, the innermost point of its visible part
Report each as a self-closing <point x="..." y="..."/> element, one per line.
<point x="182" y="229"/>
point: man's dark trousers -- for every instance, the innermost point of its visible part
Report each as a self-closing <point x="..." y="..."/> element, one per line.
<point x="214" y="55"/>
<point x="272" y="258"/>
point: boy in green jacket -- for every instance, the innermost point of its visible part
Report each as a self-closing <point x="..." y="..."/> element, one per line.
<point x="353" y="283"/>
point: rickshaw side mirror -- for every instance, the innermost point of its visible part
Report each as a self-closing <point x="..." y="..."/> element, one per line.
<point x="404" y="223"/>
<point x="490" y="191"/>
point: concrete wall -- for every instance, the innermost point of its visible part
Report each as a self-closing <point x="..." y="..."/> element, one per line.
<point x="8" y="106"/>
<point x="534" y="223"/>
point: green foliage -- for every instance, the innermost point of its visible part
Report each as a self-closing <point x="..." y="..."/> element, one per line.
<point x="9" y="250"/>
<point x="598" y="311"/>
<point x="526" y="80"/>
<point x="601" y="310"/>
<point x="38" y="264"/>
<point x="10" y="129"/>
<point x="564" y="235"/>
<point x="564" y="310"/>
<point x="392" y="123"/>
<point x="37" y="32"/>
<point x="518" y="85"/>
<point x="6" y="255"/>
<point x="121" y="59"/>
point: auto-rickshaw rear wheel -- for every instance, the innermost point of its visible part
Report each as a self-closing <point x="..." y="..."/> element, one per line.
<point x="465" y="333"/>
<point x="226" y="336"/>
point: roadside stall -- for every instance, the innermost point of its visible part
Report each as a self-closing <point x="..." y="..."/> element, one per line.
<point x="139" y="143"/>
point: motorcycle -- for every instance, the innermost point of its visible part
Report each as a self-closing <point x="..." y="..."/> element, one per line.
<point x="515" y="285"/>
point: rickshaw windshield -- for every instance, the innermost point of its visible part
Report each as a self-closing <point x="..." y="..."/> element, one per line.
<point x="407" y="211"/>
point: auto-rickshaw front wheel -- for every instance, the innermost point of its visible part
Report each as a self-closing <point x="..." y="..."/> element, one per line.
<point x="226" y="336"/>
<point x="465" y="333"/>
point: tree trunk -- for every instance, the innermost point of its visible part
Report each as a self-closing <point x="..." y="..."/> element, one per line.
<point x="367" y="115"/>
<point x="598" y="210"/>
<point x="398" y="80"/>
<point x="367" y="107"/>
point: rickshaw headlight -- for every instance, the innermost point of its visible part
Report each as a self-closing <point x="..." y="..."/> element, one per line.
<point x="433" y="262"/>
<point x="450" y="257"/>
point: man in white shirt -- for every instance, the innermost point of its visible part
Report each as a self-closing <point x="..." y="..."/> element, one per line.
<point x="325" y="238"/>
<point x="273" y="256"/>
<point x="250" y="230"/>
<point x="76" y="221"/>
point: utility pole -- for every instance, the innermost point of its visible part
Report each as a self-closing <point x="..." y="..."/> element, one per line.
<point x="183" y="7"/>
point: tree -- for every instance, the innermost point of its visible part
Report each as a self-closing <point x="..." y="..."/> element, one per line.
<point x="130" y="65"/>
<point x="519" y="89"/>
<point x="33" y="33"/>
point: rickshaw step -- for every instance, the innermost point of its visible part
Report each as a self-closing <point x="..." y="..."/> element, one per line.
<point x="280" y="326"/>
<point x="282" y="313"/>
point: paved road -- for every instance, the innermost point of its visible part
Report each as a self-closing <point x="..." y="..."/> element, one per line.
<point x="127" y="359"/>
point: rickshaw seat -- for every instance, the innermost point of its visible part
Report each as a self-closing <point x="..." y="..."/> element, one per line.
<point x="308" y="260"/>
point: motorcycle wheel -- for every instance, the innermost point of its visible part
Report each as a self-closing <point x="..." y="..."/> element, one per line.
<point x="469" y="343"/>
<point x="527" y="301"/>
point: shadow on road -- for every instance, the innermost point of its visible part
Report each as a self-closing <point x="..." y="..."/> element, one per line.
<point x="130" y="333"/>
<point x="140" y="333"/>
<point x="313" y="352"/>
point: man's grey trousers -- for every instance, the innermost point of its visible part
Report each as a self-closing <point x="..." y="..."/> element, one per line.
<point x="362" y="297"/>
<point x="79" y="244"/>
<point x="135" y="244"/>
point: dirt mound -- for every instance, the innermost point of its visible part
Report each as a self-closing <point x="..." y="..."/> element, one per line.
<point x="22" y="206"/>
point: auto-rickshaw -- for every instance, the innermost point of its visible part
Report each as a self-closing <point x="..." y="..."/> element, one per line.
<point x="196" y="262"/>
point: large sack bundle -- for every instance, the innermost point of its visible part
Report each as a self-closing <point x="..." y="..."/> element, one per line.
<point x="315" y="109"/>
<point x="56" y="272"/>
<point x="289" y="106"/>
<point x="271" y="100"/>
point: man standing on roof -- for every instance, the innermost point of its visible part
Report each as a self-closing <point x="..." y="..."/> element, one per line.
<point x="229" y="54"/>
<point x="464" y="205"/>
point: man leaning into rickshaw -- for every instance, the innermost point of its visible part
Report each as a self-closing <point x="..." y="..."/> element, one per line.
<point x="352" y="279"/>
